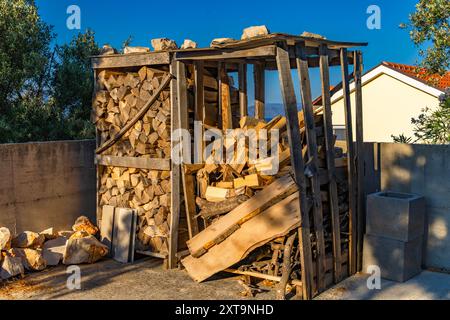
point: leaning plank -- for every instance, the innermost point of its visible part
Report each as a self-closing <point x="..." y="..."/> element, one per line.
<point x="295" y="144"/>
<point x="258" y="74"/>
<point x="329" y="141"/>
<point x="351" y="163"/>
<point x="123" y="234"/>
<point x="357" y="65"/>
<point x="242" y="77"/>
<point x="174" y="175"/>
<point x="303" y="73"/>
<point x="138" y="116"/>
<point x="270" y="224"/>
<point x="207" y="237"/>
<point x="133" y="162"/>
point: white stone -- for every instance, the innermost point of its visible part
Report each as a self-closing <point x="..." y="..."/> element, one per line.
<point x="128" y="50"/>
<point x="254" y="31"/>
<point x="5" y="238"/>
<point x="84" y="250"/>
<point x="31" y="259"/>
<point x="160" y="44"/>
<point x="11" y="266"/>
<point x="188" y="44"/>
<point x="28" y="239"/>
<point x="107" y="50"/>
<point x="53" y="250"/>
<point x="218" y="41"/>
<point x="307" y="34"/>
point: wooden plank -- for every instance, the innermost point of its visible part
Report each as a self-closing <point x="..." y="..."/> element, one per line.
<point x="243" y="101"/>
<point x="259" y="80"/>
<point x="216" y="54"/>
<point x="268" y="225"/>
<point x="225" y="98"/>
<point x="329" y="148"/>
<point x="199" y="113"/>
<point x="133" y="162"/>
<point x="351" y="162"/>
<point x="361" y="217"/>
<point x="266" y="197"/>
<point x="174" y="172"/>
<point x="305" y="85"/>
<point x="130" y="60"/>
<point x="189" y="197"/>
<point x="124" y="234"/>
<point x="152" y="254"/>
<point x="107" y="227"/>
<point x="165" y="82"/>
<point x="293" y="131"/>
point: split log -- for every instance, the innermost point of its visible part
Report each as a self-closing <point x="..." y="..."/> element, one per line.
<point x="210" y="209"/>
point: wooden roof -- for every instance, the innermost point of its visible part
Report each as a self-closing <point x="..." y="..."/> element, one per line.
<point x="254" y="48"/>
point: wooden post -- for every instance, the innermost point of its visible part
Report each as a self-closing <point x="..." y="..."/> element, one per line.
<point x="293" y="131"/>
<point x="361" y="216"/>
<point x="258" y="76"/>
<point x="305" y="85"/>
<point x="242" y="76"/>
<point x="329" y="146"/>
<point x="177" y="99"/>
<point x="351" y="162"/>
<point x="199" y="114"/>
<point x="225" y="98"/>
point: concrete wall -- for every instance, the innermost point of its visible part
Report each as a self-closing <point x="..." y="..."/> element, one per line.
<point x="388" y="106"/>
<point x="46" y="184"/>
<point x="420" y="169"/>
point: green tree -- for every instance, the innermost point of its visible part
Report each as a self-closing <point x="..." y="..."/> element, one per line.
<point x="429" y="24"/>
<point x="72" y="86"/>
<point x="433" y="126"/>
<point x="25" y="65"/>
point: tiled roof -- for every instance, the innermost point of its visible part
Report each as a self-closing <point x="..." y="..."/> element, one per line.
<point x="434" y="80"/>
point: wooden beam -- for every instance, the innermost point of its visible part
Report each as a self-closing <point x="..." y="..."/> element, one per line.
<point x="220" y="54"/>
<point x="130" y="60"/>
<point x="295" y="143"/>
<point x="351" y="162"/>
<point x="199" y="114"/>
<point x="175" y="168"/>
<point x="227" y="122"/>
<point x="133" y="162"/>
<point x="259" y="80"/>
<point x="305" y="85"/>
<point x="329" y="147"/>
<point x="243" y="102"/>
<point x="361" y="217"/>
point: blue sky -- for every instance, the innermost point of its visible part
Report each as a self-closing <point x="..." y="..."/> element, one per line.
<point x="113" y="21"/>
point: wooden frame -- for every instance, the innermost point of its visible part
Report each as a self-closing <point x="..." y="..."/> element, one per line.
<point x="275" y="52"/>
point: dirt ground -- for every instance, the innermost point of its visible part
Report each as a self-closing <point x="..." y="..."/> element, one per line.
<point x="146" y="279"/>
<point x="108" y="279"/>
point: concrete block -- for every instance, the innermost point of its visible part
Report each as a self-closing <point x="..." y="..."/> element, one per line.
<point x="398" y="260"/>
<point x="395" y="215"/>
<point x="106" y="226"/>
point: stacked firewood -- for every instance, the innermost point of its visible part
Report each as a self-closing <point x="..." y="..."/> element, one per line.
<point x="222" y="188"/>
<point x="119" y="98"/>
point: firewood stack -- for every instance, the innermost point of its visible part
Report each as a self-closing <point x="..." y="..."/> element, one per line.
<point x="223" y="187"/>
<point x="119" y="97"/>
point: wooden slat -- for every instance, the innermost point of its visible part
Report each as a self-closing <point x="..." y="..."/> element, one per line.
<point x="231" y="221"/>
<point x="130" y="60"/>
<point x="199" y="114"/>
<point x="329" y="147"/>
<point x="293" y="131"/>
<point x="243" y="101"/>
<point x="305" y="85"/>
<point x="259" y="80"/>
<point x="105" y="146"/>
<point x="351" y="162"/>
<point x="175" y="171"/>
<point x="219" y="54"/>
<point x="361" y="217"/>
<point x="133" y="162"/>
<point x="225" y="98"/>
<point x="189" y="197"/>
